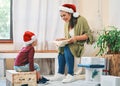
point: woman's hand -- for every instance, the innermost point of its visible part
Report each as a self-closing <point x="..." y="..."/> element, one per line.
<point x="78" y="38"/>
<point x="72" y="40"/>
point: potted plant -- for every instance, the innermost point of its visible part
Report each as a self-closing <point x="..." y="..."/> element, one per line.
<point x="108" y="43"/>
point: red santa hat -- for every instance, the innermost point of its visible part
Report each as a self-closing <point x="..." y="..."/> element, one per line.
<point x="29" y="37"/>
<point x="70" y="8"/>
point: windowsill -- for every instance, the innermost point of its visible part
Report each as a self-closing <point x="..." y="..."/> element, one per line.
<point x="37" y="51"/>
<point x="6" y="41"/>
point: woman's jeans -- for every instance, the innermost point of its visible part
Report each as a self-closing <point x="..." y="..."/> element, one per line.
<point x="66" y="59"/>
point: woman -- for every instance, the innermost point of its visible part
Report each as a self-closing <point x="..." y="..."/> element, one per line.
<point x="77" y="32"/>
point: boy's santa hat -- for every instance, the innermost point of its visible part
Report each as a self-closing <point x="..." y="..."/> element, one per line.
<point x="70" y="8"/>
<point x="29" y="37"/>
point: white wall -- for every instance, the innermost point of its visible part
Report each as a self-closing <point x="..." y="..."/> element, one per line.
<point x="114" y="13"/>
<point x="6" y="46"/>
<point x="88" y="9"/>
<point x="96" y="20"/>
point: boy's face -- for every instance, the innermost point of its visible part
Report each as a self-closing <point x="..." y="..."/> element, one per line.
<point x="34" y="43"/>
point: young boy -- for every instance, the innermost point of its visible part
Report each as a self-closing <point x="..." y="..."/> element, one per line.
<point x="25" y="59"/>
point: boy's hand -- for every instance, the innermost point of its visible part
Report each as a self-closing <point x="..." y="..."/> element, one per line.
<point x="35" y="71"/>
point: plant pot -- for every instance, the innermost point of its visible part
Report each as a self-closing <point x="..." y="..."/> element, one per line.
<point x="114" y="63"/>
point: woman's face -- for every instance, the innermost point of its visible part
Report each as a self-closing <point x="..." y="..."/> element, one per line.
<point x="65" y="16"/>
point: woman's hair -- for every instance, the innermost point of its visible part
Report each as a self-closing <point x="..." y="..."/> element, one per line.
<point x="73" y="21"/>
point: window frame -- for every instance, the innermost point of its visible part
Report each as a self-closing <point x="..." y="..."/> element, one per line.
<point x="11" y="28"/>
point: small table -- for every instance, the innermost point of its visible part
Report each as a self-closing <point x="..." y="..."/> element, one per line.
<point x="92" y="72"/>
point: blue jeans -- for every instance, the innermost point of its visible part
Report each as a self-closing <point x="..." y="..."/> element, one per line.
<point x="25" y="68"/>
<point x="66" y="59"/>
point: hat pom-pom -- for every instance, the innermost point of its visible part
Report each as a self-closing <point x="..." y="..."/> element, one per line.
<point x="76" y="14"/>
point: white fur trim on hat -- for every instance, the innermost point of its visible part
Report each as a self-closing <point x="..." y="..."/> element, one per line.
<point x="69" y="10"/>
<point x="33" y="38"/>
<point x="76" y="14"/>
<point x="66" y="9"/>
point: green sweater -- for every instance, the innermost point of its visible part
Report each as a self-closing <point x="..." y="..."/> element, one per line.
<point x="80" y="28"/>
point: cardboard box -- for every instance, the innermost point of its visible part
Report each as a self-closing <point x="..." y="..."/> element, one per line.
<point x="14" y="78"/>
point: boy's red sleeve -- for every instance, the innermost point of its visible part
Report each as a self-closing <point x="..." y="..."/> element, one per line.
<point x="31" y="59"/>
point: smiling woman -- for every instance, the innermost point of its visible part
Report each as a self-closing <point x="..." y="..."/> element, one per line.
<point x="5" y="21"/>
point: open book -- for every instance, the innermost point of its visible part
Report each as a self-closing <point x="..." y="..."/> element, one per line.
<point x="61" y="43"/>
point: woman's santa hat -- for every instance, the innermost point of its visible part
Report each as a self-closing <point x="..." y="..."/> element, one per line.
<point x="29" y="37"/>
<point x="70" y="8"/>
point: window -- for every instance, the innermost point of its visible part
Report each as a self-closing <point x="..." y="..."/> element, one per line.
<point x="5" y="20"/>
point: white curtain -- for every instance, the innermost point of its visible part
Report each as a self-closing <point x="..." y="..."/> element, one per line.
<point x="41" y="17"/>
<point x="114" y="13"/>
<point x="37" y="16"/>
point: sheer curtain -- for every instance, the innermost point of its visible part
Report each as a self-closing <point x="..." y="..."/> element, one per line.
<point x="41" y="17"/>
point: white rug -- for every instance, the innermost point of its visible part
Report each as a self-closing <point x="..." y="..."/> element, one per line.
<point x="76" y="83"/>
<point x="79" y="81"/>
